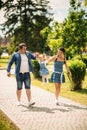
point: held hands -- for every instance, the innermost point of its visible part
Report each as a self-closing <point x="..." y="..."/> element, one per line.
<point x="36" y="54"/>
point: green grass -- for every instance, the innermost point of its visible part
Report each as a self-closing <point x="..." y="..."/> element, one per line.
<point x="6" y="123"/>
<point x="3" y="62"/>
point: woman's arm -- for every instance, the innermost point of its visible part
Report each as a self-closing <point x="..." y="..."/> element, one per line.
<point x="67" y="68"/>
<point x="52" y="58"/>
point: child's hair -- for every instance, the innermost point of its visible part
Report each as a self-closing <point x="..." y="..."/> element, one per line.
<point x="61" y="49"/>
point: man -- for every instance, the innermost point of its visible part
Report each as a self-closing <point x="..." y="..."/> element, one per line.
<point x="23" y="67"/>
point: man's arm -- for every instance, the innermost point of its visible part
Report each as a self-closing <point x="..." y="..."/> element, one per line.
<point x="10" y="64"/>
<point x="34" y="55"/>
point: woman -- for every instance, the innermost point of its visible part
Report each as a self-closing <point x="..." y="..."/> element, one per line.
<point x="57" y="76"/>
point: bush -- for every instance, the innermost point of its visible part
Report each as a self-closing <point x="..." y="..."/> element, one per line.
<point x="78" y="70"/>
<point x="1" y="51"/>
<point x="84" y="59"/>
<point x="36" y="67"/>
<point x="76" y="57"/>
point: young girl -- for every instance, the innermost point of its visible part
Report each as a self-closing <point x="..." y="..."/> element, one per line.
<point x="57" y="76"/>
<point x="43" y="69"/>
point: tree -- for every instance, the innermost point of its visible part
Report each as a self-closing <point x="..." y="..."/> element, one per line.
<point x="44" y="34"/>
<point x="25" y="19"/>
<point x="75" y="28"/>
<point x="52" y="36"/>
<point x="1" y="4"/>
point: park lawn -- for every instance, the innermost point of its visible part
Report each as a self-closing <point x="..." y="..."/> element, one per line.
<point x="6" y="123"/>
<point x="3" y="62"/>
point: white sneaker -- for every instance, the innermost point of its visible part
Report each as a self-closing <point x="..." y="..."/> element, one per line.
<point x="18" y="103"/>
<point x="31" y="103"/>
<point x="57" y="102"/>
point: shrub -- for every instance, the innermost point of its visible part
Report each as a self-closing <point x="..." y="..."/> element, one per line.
<point x="78" y="70"/>
<point x="84" y="59"/>
<point x="1" y="51"/>
<point x="36" y="67"/>
<point x="76" y="57"/>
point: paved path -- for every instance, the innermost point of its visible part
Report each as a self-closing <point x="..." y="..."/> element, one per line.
<point x="45" y="115"/>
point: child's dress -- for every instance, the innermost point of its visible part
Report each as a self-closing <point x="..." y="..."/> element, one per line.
<point x="43" y="69"/>
<point x="58" y="76"/>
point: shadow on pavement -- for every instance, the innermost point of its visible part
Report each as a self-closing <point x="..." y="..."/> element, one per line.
<point x="38" y="109"/>
<point x="62" y="108"/>
<point x="73" y="107"/>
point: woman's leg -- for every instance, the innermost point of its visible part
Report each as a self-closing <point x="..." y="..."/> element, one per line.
<point x="57" y="90"/>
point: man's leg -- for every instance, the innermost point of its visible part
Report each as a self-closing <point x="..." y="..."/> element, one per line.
<point x="19" y="89"/>
<point x="28" y="93"/>
<point x="18" y="92"/>
<point x="27" y="82"/>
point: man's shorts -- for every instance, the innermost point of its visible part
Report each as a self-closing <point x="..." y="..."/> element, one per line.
<point x="23" y="78"/>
